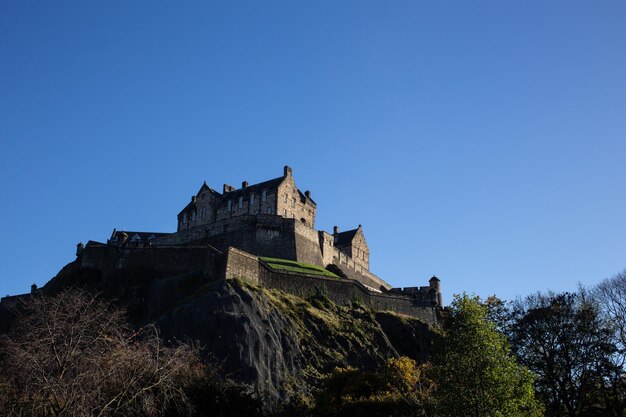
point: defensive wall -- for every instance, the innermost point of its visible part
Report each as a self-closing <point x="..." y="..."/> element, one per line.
<point x="167" y="260"/>
<point x="237" y="264"/>
<point x="276" y="237"/>
<point x="242" y="265"/>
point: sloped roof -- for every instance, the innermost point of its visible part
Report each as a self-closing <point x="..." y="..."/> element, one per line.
<point x="270" y="184"/>
<point x="191" y="205"/>
<point x="345" y="238"/>
<point x="304" y="197"/>
<point x="206" y="187"/>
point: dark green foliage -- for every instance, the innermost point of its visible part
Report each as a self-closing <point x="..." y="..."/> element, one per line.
<point x="474" y="370"/>
<point x="564" y="341"/>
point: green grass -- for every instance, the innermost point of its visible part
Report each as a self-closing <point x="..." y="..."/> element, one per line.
<point x="293" y="266"/>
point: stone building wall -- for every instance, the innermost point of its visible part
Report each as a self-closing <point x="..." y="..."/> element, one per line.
<point x="240" y="205"/>
<point x="290" y="203"/>
<point x="307" y="244"/>
<point x="164" y="259"/>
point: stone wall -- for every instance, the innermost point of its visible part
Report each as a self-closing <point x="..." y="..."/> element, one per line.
<point x="341" y="291"/>
<point x="164" y="259"/>
<point x="241" y="265"/>
<point x="307" y="244"/>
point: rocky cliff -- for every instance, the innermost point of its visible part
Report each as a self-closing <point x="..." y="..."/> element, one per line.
<point x="275" y="342"/>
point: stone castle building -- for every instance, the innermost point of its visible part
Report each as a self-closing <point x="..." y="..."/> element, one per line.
<point x="229" y="234"/>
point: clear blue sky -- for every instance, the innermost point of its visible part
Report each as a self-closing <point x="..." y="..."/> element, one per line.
<point x="481" y="141"/>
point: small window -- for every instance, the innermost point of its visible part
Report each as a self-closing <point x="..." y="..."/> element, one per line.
<point x="285" y="198"/>
<point x="229" y="205"/>
<point x="264" y="196"/>
<point x="252" y="199"/>
<point x="193" y="216"/>
<point x="269" y="210"/>
<point x="293" y="202"/>
<point x="285" y="212"/>
<point x="240" y="202"/>
<point x="184" y="218"/>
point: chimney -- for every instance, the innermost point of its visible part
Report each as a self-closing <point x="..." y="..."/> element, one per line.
<point x="244" y="184"/>
<point x="79" y="249"/>
<point x="228" y="188"/>
<point x="307" y="193"/>
<point x="287" y="171"/>
<point x="335" y="230"/>
<point x="193" y="198"/>
<point x="33" y="288"/>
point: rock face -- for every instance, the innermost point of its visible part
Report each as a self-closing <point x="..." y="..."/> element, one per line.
<point x="268" y="339"/>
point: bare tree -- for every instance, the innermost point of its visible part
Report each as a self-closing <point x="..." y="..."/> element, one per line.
<point x="611" y="294"/>
<point x="75" y="355"/>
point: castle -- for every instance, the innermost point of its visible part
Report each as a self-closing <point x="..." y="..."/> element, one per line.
<point x="264" y="233"/>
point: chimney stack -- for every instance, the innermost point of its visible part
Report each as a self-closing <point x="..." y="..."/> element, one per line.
<point x="193" y="198"/>
<point x="307" y="193"/>
<point x="228" y="188"/>
<point x="244" y="184"/>
<point x="335" y="230"/>
<point x="287" y="171"/>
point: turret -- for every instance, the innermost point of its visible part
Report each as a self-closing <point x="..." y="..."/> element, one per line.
<point x="435" y="284"/>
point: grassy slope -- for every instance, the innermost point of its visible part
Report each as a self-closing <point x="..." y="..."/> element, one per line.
<point x="293" y="266"/>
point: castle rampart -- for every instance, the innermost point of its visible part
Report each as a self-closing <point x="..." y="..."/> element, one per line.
<point x="223" y="234"/>
<point x="241" y="265"/>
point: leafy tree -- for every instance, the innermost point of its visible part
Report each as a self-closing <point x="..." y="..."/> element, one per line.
<point x="75" y="355"/>
<point x="400" y="388"/>
<point x="563" y="339"/>
<point x="473" y="369"/>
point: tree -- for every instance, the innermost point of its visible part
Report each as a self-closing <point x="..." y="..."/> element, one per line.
<point x="611" y="295"/>
<point x="74" y="354"/>
<point x="564" y="341"/>
<point x="473" y="369"/>
<point x="399" y="388"/>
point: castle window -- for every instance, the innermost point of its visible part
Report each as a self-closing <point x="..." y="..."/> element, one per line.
<point x="285" y="212"/>
<point x="229" y="205"/>
<point x="252" y="199"/>
<point x="264" y="196"/>
<point x="184" y="218"/>
<point x="193" y="216"/>
<point x="269" y="210"/>
<point x="285" y="199"/>
<point x="240" y="202"/>
<point x="293" y="202"/>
